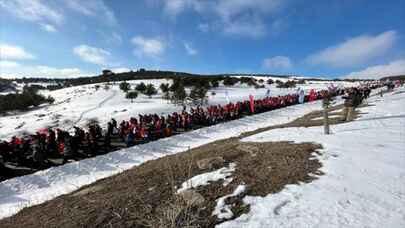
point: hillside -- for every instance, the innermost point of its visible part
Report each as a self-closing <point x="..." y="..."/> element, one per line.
<point x="338" y="177"/>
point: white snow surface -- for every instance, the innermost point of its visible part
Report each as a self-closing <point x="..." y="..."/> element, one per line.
<point x="222" y="210"/>
<point x="364" y="180"/>
<point x="29" y="190"/>
<point x="206" y="178"/>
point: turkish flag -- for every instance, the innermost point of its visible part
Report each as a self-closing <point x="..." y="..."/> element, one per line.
<point x="252" y="104"/>
<point x="43" y="131"/>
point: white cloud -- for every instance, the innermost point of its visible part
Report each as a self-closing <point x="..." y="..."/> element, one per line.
<point x="8" y="51"/>
<point x="204" y="27"/>
<point x="120" y="70"/>
<point x="92" y="54"/>
<point x="394" y="68"/>
<point x="247" y="27"/>
<point x="8" y="64"/>
<point x="277" y="63"/>
<point x="175" y="7"/>
<point x="46" y="71"/>
<point x="93" y="8"/>
<point x="233" y="17"/>
<point x="354" y="51"/>
<point x="32" y="10"/>
<point x="48" y="28"/>
<point x="42" y="71"/>
<point x="230" y="8"/>
<point x="114" y="38"/>
<point x="151" y="47"/>
<point x="190" y="49"/>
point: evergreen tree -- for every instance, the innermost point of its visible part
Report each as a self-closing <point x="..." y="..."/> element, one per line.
<point x="125" y="86"/>
<point x="270" y="81"/>
<point x="132" y="95"/>
<point x="150" y="90"/>
<point x="179" y="94"/>
<point x="165" y="88"/>
<point x="176" y="84"/>
<point x="214" y="84"/>
<point x="230" y="81"/>
<point x="141" y="87"/>
<point x="198" y="94"/>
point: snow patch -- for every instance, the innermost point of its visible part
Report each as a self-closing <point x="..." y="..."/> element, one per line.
<point x="205" y="178"/>
<point x="222" y="210"/>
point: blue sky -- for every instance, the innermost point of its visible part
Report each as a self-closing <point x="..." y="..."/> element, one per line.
<point x="67" y="38"/>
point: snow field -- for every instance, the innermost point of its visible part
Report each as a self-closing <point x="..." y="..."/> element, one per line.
<point x="29" y="190"/>
<point x="363" y="184"/>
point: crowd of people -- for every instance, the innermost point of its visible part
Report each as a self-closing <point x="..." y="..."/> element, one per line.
<point x="36" y="151"/>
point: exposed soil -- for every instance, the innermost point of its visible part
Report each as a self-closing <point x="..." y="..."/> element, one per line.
<point x="145" y="195"/>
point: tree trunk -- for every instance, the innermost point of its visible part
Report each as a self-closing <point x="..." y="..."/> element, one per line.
<point x="326" y="121"/>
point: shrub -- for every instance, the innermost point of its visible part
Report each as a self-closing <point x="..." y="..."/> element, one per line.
<point x="230" y="81"/>
<point x="246" y="80"/>
<point x="259" y="86"/>
<point x="22" y="101"/>
<point x="287" y="84"/>
<point x="54" y="87"/>
<point x="198" y="94"/>
<point x="141" y="87"/>
<point x="215" y="84"/>
<point x="179" y="94"/>
<point x="164" y="87"/>
<point x="150" y="90"/>
<point x="125" y="86"/>
<point x="6" y="86"/>
<point x="132" y="95"/>
<point x="270" y="81"/>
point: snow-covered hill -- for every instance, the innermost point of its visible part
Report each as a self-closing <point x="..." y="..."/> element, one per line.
<point x="36" y="188"/>
<point x="77" y="105"/>
<point x="362" y="160"/>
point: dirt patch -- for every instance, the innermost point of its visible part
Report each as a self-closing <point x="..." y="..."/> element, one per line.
<point x="311" y="119"/>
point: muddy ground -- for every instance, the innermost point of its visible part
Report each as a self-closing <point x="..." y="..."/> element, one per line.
<point x="145" y="195"/>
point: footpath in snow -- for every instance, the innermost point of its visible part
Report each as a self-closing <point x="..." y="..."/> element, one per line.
<point x="20" y="192"/>
<point x="364" y="180"/>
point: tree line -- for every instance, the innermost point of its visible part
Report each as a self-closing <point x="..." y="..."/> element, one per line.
<point x="29" y="97"/>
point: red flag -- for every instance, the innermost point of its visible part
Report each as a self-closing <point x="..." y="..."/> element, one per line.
<point x="312" y="95"/>
<point x="43" y="131"/>
<point x="252" y="103"/>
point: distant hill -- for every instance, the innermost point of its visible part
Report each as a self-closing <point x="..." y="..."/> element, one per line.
<point x="393" y="78"/>
<point x="6" y="86"/>
<point x="108" y="76"/>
